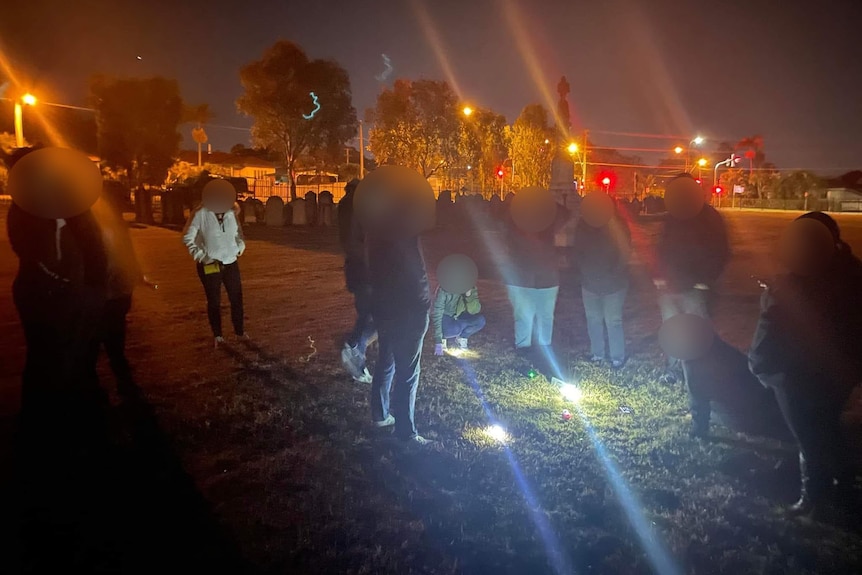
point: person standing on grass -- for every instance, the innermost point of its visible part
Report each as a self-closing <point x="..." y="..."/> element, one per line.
<point x="124" y="274"/>
<point x="533" y="278"/>
<point x="214" y="238"/>
<point x="59" y="290"/>
<point x="602" y="246"/>
<point x="691" y="253"/>
<point x="808" y="349"/>
<point x="356" y="277"/>
<point x="396" y="204"/>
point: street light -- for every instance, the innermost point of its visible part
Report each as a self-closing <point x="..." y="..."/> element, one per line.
<point x="698" y="140"/>
<point x="678" y="150"/>
<point x="28" y="100"/>
<point x="702" y="162"/>
<point x="468" y="111"/>
<point x="606" y="182"/>
<point x="573" y="148"/>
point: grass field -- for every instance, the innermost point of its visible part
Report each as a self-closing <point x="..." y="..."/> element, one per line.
<point x="261" y="459"/>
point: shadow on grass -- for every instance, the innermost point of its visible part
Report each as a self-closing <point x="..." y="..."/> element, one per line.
<point x="114" y="501"/>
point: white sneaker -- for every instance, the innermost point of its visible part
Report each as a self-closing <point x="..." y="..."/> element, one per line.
<point x="390" y="420"/>
<point x="218" y="341"/>
<point x="462" y="342"/>
<point x="366" y="377"/>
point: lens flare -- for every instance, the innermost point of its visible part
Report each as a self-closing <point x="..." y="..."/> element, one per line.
<point x="497" y="433"/>
<point x="571" y="392"/>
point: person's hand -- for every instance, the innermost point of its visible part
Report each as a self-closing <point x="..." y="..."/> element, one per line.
<point x="241" y="249"/>
<point x="701" y="287"/>
<point x="440" y="348"/>
<point x="200" y="256"/>
<point x="659" y="283"/>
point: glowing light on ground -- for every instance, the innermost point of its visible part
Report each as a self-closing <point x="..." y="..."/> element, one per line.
<point x="462" y="353"/>
<point x="571" y="392"/>
<point x="497" y="433"/>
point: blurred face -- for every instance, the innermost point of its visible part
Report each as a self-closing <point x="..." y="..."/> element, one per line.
<point x="457" y="273"/>
<point x="395" y="201"/>
<point x="684" y="198"/>
<point x="806" y="247"/>
<point x="533" y="209"/>
<point x="219" y="196"/>
<point x="55" y="183"/>
<point x="686" y="337"/>
<point x="597" y="209"/>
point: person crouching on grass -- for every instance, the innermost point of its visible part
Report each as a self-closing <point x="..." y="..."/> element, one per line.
<point x="456" y="316"/>
<point x="214" y="239"/>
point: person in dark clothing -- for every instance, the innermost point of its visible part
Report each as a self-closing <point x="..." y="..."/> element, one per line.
<point x="356" y="277"/>
<point x="720" y="383"/>
<point x="533" y="283"/>
<point x="124" y="274"/>
<point x="691" y="253"/>
<point x="808" y="349"/>
<point x="58" y="291"/>
<point x="602" y="254"/>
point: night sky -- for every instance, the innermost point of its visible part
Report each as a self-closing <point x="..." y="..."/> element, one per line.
<point x="789" y="70"/>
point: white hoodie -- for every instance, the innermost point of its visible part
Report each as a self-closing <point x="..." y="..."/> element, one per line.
<point x="208" y="240"/>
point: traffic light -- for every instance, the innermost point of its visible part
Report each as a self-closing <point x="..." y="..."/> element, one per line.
<point x="699" y="181"/>
<point x="501" y="172"/>
<point x="717" y="190"/>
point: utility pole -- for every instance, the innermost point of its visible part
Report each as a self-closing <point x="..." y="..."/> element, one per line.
<point x="347" y="156"/>
<point x="361" y="151"/>
<point x="584" y="164"/>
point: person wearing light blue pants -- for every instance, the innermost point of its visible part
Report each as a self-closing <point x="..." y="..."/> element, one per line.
<point x="534" y="315"/>
<point x="605" y="313"/>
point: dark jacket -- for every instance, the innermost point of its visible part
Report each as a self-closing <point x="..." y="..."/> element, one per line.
<point x="721" y="383"/>
<point x="692" y="251"/>
<point x="602" y="256"/>
<point x="533" y="257"/>
<point x="352" y="240"/>
<point x="123" y="268"/>
<point x="397" y="276"/>
<point x="809" y="336"/>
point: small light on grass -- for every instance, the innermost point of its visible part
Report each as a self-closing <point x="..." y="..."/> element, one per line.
<point x="571" y="392"/>
<point x="497" y="433"/>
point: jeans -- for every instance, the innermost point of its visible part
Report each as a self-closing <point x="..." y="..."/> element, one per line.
<point x="533" y="308"/>
<point x="691" y="301"/>
<point x="229" y="276"/>
<point x="606" y="311"/>
<point x="398" y="364"/>
<point x="465" y="325"/>
<point x="363" y="328"/>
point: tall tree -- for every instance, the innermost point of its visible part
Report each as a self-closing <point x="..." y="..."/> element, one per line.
<point x="483" y="145"/>
<point x="200" y="115"/>
<point x="794" y="186"/>
<point x="529" y="146"/>
<point x="415" y="124"/>
<point x="137" y="122"/>
<point x="287" y="117"/>
<point x="752" y="149"/>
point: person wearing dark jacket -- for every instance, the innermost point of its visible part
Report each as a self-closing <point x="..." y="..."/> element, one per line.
<point x="356" y="277"/>
<point x="59" y="293"/>
<point x="123" y="275"/>
<point x="808" y="349"/>
<point x="719" y="383"/>
<point x="602" y="254"/>
<point x="400" y="298"/>
<point x="692" y="252"/>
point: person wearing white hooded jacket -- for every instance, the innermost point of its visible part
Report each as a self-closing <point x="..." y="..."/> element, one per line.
<point x="215" y="242"/>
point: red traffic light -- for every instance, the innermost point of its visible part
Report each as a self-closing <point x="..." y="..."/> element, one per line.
<point x="717" y="190"/>
<point x="500" y="173"/>
<point x="699" y="181"/>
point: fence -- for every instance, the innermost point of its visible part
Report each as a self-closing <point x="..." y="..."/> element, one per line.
<point x="264" y="189"/>
<point x="812" y="204"/>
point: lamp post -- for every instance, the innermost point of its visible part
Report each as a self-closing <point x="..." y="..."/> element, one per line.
<point x="25" y="100"/>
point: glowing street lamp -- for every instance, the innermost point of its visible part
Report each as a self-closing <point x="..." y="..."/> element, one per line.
<point x="27" y="100"/>
<point x="468" y="111"/>
<point x="573" y="148"/>
<point x="702" y="162"/>
<point x="678" y="150"/>
<point x="698" y="140"/>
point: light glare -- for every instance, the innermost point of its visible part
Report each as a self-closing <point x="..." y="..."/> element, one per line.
<point x="28" y="99"/>
<point x="497" y="433"/>
<point x="571" y="392"/>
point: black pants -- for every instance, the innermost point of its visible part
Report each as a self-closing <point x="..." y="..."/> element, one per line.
<point x="229" y="276"/>
<point x="815" y="420"/>
<point x="112" y="336"/>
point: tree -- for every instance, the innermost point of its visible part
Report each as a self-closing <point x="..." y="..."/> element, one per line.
<point x="530" y="146"/>
<point x="483" y="145"/>
<point x="200" y="115"/>
<point x="752" y="149"/>
<point x="287" y="117"/>
<point x="796" y="185"/>
<point x="137" y="122"/>
<point x="415" y="124"/>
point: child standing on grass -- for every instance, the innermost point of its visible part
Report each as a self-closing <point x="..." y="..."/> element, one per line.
<point x="214" y="239"/>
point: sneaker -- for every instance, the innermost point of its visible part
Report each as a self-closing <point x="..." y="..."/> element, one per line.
<point x="668" y="378"/>
<point x="618" y="363"/>
<point x="462" y="342"/>
<point x="218" y="341"/>
<point x="389" y="421"/>
<point x="352" y="361"/>
<point x="243" y="337"/>
<point x="596" y="359"/>
<point x="366" y="377"/>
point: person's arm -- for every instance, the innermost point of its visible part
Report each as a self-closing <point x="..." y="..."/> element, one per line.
<point x="190" y="237"/>
<point x="472" y="302"/>
<point x="765" y="358"/>
<point x="240" y="237"/>
<point x="437" y="315"/>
